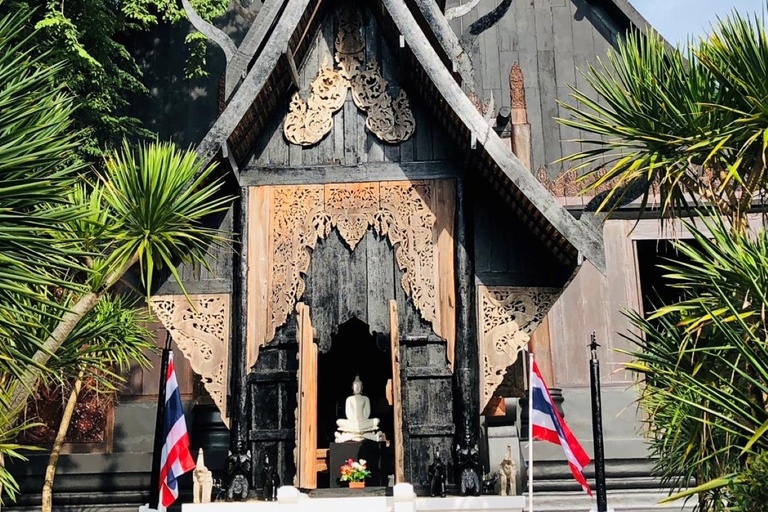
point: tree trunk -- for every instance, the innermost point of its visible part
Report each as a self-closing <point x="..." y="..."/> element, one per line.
<point x="66" y="419"/>
<point x="2" y="465"/>
<point x="26" y="384"/>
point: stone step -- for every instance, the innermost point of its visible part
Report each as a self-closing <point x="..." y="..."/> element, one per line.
<point x="618" y="501"/>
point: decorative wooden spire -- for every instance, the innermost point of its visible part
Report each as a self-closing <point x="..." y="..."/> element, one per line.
<point x="521" y="130"/>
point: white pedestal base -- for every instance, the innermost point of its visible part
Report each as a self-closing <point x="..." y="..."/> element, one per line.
<point x="403" y="500"/>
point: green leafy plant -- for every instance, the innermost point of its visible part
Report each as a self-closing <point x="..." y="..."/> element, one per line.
<point x="691" y="125"/>
<point x="703" y="363"/>
<point x="38" y="164"/>
<point x="752" y="492"/>
<point x="150" y="204"/>
<point x="692" y="122"/>
<point x="92" y="38"/>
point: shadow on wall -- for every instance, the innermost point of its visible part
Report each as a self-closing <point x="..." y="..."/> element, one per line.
<point x="175" y="107"/>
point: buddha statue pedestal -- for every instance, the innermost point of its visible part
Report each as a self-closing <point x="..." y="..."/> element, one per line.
<point x="375" y="455"/>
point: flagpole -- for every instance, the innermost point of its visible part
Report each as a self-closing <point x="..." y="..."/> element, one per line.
<point x="530" y="431"/>
<point x="154" y="481"/>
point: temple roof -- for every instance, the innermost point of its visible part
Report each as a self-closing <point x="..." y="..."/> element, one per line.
<point x="434" y="66"/>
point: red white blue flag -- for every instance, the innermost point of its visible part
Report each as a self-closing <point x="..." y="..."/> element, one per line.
<point x="175" y="459"/>
<point x="549" y="426"/>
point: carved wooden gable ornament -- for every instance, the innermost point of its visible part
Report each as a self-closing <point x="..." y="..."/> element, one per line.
<point x="508" y="315"/>
<point x="389" y="119"/>
<point x="416" y="217"/>
<point x="200" y="328"/>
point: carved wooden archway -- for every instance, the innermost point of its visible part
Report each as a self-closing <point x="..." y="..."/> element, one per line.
<point x="286" y="222"/>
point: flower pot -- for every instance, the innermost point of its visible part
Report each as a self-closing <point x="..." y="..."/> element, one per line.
<point x="357" y="485"/>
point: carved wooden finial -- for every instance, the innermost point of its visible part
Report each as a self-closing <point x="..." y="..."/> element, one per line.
<point x="517" y="87"/>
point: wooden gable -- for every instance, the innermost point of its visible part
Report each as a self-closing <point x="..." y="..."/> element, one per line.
<point x="349" y="142"/>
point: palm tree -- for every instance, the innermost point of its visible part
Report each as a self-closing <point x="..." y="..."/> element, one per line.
<point x="692" y="125"/>
<point x="66" y="239"/>
<point x="692" y="122"/>
<point x="147" y="208"/>
<point x="37" y="166"/>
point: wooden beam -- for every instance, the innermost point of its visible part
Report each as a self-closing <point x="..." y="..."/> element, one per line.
<point x="448" y="39"/>
<point x="213" y="33"/>
<point x="466" y="358"/>
<point x="253" y="82"/>
<point x="363" y="172"/>
<point x="586" y="237"/>
<point x="307" y="427"/>
<point x="238" y="373"/>
<point x="237" y="68"/>
<point x="294" y="70"/>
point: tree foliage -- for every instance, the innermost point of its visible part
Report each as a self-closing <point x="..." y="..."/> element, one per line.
<point x="703" y="362"/>
<point x="90" y="36"/>
<point x="67" y="236"/>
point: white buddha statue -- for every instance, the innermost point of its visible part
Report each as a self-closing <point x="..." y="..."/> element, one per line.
<point x="358" y="425"/>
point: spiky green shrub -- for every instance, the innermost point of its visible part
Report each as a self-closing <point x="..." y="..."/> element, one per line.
<point x="703" y="363"/>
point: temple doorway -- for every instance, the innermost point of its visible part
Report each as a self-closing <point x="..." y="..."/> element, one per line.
<point x="355" y="351"/>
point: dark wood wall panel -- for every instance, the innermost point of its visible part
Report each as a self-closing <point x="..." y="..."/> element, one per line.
<point x="349" y="142"/>
<point x="342" y="284"/>
<point x="552" y="40"/>
<point x="506" y="252"/>
<point x="197" y="278"/>
<point x="273" y="385"/>
<point x="428" y="415"/>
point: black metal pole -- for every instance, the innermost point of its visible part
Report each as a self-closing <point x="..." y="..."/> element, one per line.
<point x="597" y="427"/>
<point x="154" y="481"/>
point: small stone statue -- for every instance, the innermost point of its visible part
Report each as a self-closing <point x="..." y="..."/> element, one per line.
<point x="238" y="470"/>
<point x="489" y="483"/>
<point x="358" y="425"/>
<point x="508" y="475"/>
<point x="468" y="458"/>
<point x="271" y="481"/>
<point x="436" y="472"/>
<point x="202" y="485"/>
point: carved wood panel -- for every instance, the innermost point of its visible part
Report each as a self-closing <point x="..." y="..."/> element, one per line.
<point x="306" y="411"/>
<point x="508" y="315"/>
<point x="200" y="328"/>
<point x="389" y="119"/>
<point x="297" y="217"/>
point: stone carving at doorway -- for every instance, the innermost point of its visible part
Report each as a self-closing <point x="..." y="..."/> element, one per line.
<point x="508" y="316"/>
<point x="308" y="121"/>
<point x="200" y="328"/>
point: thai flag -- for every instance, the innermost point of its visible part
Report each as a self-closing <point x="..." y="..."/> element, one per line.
<point x="175" y="459"/>
<point x="549" y="426"/>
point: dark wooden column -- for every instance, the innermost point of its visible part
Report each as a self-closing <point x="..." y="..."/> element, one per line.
<point x="466" y="358"/>
<point x="238" y="373"/>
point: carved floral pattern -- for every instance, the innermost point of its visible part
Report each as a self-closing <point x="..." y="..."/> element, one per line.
<point x="309" y="121"/>
<point x="349" y="44"/>
<point x="200" y="328"/>
<point x="517" y="87"/>
<point x="305" y="214"/>
<point x="391" y="120"/>
<point x="508" y="317"/>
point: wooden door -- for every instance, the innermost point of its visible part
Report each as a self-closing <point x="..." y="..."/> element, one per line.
<point x="306" y="466"/>
<point x="397" y="403"/>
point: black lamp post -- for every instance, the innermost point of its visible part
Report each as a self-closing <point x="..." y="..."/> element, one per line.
<point x="597" y="427"/>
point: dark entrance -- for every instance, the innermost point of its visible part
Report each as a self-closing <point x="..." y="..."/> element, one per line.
<point x="354" y="351"/>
